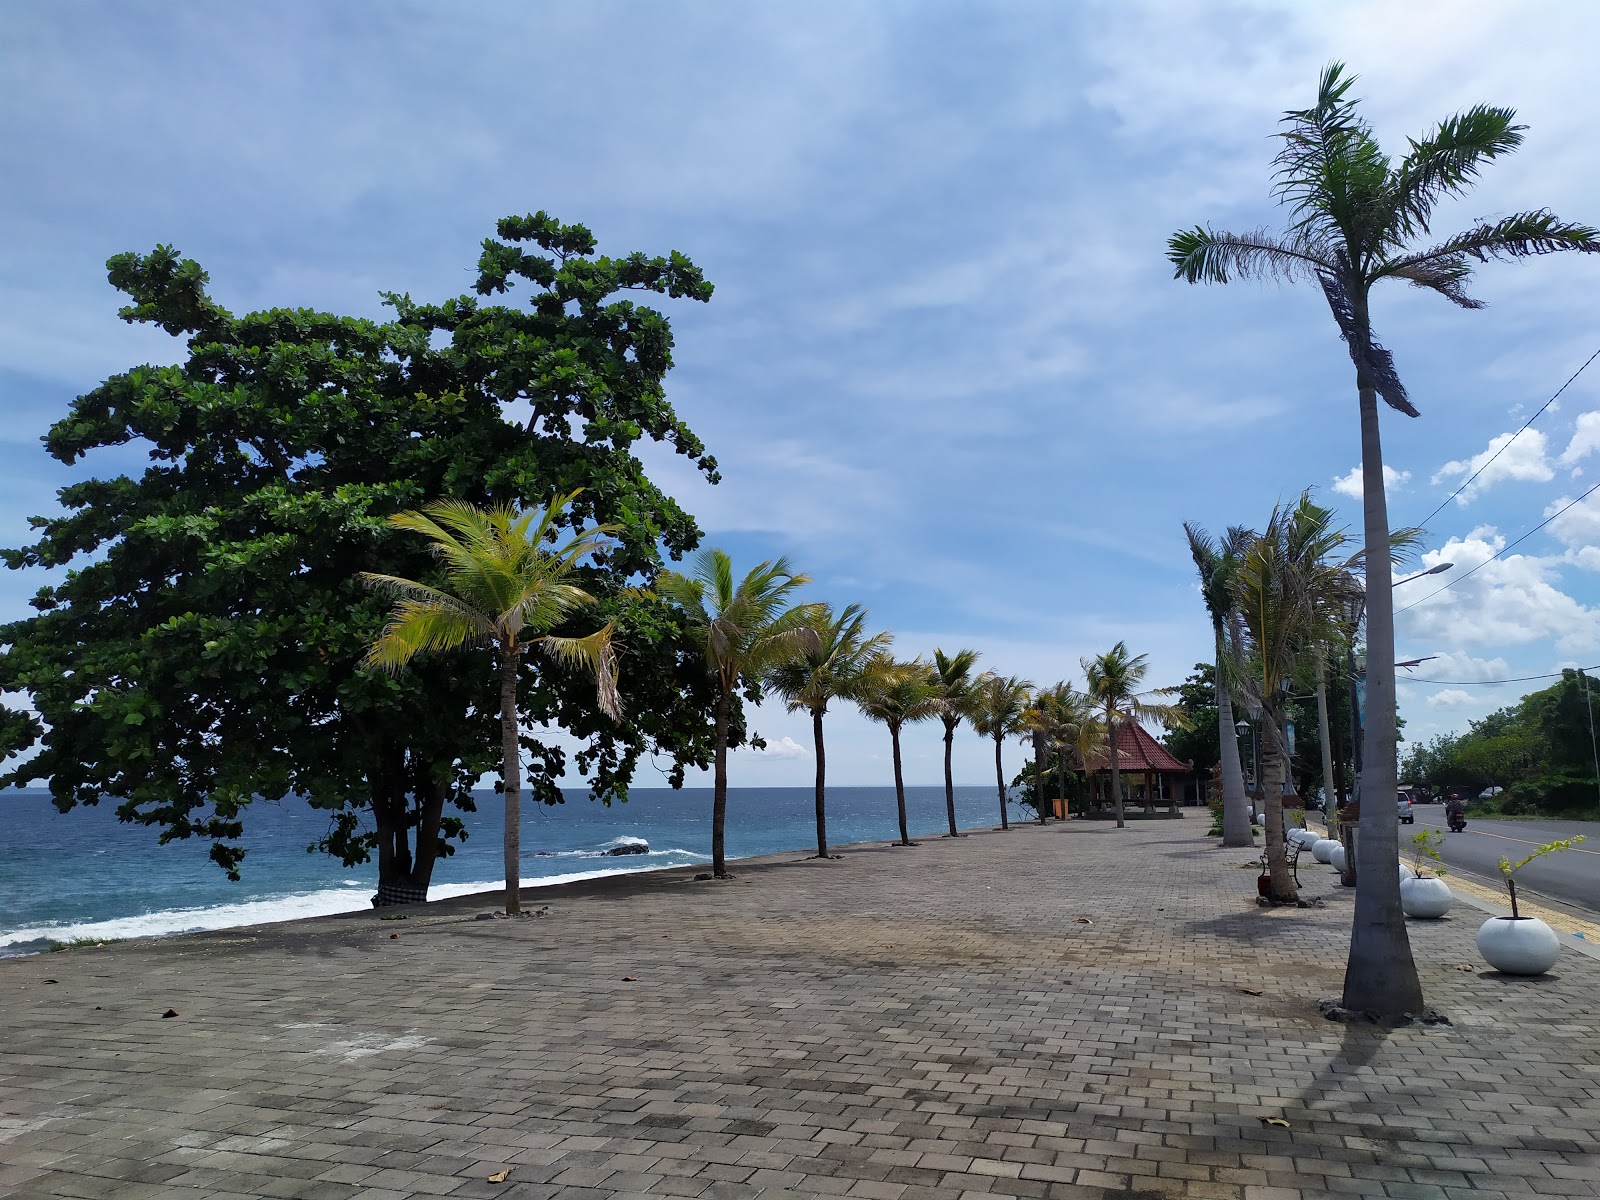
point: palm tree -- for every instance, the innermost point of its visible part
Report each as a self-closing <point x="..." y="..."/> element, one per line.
<point x="1070" y="727"/>
<point x="501" y="589"/>
<point x="1115" y="681"/>
<point x="954" y="682"/>
<point x="833" y="670"/>
<point x="998" y="702"/>
<point x="1291" y="588"/>
<point x="1216" y="562"/>
<point x="898" y="693"/>
<point x="745" y="630"/>
<point x="1355" y="216"/>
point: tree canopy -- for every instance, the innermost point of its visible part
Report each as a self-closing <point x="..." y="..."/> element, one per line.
<point x="201" y="648"/>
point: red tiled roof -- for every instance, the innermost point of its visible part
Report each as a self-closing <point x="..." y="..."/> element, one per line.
<point x="1138" y="751"/>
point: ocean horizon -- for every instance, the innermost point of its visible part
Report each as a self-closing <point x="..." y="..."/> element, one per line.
<point x="85" y="875"/>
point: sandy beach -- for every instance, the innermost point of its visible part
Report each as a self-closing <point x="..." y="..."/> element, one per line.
<point x="1074" y="1011"/>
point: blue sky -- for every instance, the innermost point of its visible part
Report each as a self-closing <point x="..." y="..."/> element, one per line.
<point x="946" y="368"/>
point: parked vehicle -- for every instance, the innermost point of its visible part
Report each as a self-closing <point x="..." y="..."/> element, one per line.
<point x="1404" y="811"/>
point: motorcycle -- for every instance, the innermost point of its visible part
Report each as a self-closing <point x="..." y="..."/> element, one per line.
<point x="1458" y="822"/>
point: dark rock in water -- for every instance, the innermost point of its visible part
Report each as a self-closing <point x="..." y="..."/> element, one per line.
<point x="632" y="846"/>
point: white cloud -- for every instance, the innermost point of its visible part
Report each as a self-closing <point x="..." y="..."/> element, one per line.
<point x="1585" y="440"/>
<point x="1578" y="528"/>
<point x="1526" y="459"/>
<point x="782" y="747"/>
<point x="1509" y="601"/>
<point x="1350" y="485"/>
<point x="1450" y="698"/>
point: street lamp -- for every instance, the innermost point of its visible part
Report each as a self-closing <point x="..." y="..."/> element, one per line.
<point x="1440" y="569"/>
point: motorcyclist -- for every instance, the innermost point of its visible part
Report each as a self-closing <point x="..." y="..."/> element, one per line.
<point x="1455" y="811"/>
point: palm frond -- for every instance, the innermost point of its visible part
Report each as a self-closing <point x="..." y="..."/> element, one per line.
<point x="1445" y="162"/>
<point x="595" y="653"/>
<point x="418" y="627"/>
<point x="1521" y="235"/>
<point x="1203" y="255"/>
<point x="1374" y="364"/>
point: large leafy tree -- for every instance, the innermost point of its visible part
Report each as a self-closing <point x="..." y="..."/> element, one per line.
<point x="504" y="590"/>
<point x="998" y="702"/>
<point x="1359" y="218"/>
<point x="743" y="629"/>
<point x="201" y="644"/>
<point x="897" y="694"/>
<point x="954" y="682"/>
<point x="1115" y="682"/>
<point x="1216" y="560"/>
<point x="834" y="669"/>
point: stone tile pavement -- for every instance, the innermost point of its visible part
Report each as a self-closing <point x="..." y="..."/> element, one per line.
<point x="1069" y="1012"/>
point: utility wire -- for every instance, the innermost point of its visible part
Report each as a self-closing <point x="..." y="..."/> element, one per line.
<point x="1509" y="440"/>
<point x="1503" y="550"/>
<point x="1488" y="682"/>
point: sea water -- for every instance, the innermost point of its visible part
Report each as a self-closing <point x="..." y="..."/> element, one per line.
<point x="84" y="874"/>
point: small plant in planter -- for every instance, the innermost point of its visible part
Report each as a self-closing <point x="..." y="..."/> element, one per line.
<point x="1519" y="945"/>
<point x="1426" y="894"/>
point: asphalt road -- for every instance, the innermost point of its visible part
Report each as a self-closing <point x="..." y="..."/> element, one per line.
<point x="1571" y="877"/>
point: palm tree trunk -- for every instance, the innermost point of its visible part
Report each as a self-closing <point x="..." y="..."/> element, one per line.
<point x="1324" y="734"/>
<point x="1038" y="773"/>
<point x="1000" y="782"/>
<point x="1235" y="804"/>
<point x="949" y="779"/>
<point x="1116" y="771"/>
<point x="511" y="777"/>
<point x="822" y="772"/>
<point x="900" y="788"/>
<point x="1380" y="975"/>
<point x="719" y="790"/>
<point x="1283" y="887"/>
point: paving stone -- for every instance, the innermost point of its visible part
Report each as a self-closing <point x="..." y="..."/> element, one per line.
<point x="926" y="1024"/>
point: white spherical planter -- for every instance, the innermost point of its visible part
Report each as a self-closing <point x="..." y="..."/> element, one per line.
<point x="1304" y="837"/>
<point x="1429" y="898"/>
<point x="1336" y="857"/>
<point x="1406" y="873"/>
<point x="1518" y="946"/>
<point x="1322" y="849"/>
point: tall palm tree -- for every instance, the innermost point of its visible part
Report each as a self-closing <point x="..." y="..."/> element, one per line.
<point x="1291" y="588"/>
<point x="1046" y="722"/>
<point x="954" y="682"/>
<point x="1071" y="728"/>
<point x="745" y="630"/>
<point x="1116" y="685"/>
<point x="898" y="693"/>
<point x="504" y="590"/>
<point x="1356" y="216"/>
<point x="998" y="702"/>
<point x="1216" y="561"/>
<point x="832" y="670"/>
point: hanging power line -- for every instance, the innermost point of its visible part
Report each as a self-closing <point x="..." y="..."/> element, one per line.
<point x="1510" y="439"/>
<point x="1503" y="550"/>
<point x="1489" y="682"/>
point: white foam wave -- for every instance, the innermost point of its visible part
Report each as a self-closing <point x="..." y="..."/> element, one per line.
<point x="292" y="907"/>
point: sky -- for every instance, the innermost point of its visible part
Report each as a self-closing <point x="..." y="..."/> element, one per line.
<point x="946" y="368"/>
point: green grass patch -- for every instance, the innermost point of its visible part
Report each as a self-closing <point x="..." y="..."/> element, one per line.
<point x="83" y="943"/>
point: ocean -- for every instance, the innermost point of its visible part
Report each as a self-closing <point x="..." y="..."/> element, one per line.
<point x="84" y="874"/>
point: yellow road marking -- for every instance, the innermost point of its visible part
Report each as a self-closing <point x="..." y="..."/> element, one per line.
<point x="1506" y="837"/>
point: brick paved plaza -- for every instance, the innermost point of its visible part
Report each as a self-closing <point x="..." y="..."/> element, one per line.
<point x="927" y="1022"/>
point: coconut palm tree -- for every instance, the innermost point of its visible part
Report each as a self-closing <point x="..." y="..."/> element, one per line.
<point x="745" y="629"/>
<point x="1292" y="587"/>
<point x="954" y="682"/>
<point x="502" y="589"/>
<point x="898" y="693"/>
<point x="1047" y="723"/>
<point x="1356" y="219"/>
<point x="832" y="670"/>
<point x="1115" y="684"/>
<point x="1075" y="733"/>
<point x="998" y="702"/>
<point x="1216" y="561"/>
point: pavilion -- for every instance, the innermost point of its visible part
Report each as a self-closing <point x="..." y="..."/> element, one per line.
<point x="1150" y="773"/>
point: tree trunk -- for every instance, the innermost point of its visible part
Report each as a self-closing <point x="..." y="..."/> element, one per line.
<point x="511" y="776"/>
<point x="1283" y="887"/>
<point x="1038" y="773"/>
<point x="822" y="772"/>
<point x="900" y="788"/>
<point x="1116" y="771"/>
<point x="1000" y="782"/>
<point x="1324" y="733"/>
<point x="719" y="790"/>
<point x="1235" y="804"/>
<point x="949" y="779"/>
<point x="1380" y="976"/>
